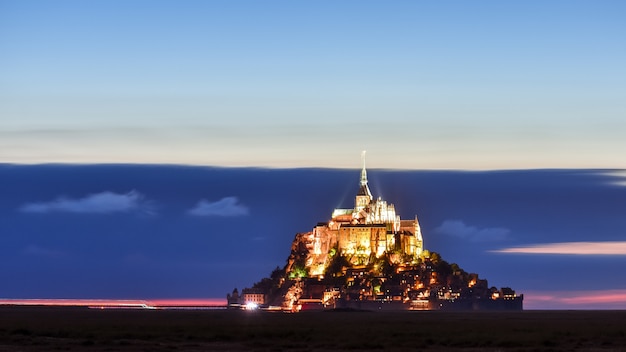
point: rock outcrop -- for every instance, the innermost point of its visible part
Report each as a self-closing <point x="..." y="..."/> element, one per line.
<point x="366" y="257"/>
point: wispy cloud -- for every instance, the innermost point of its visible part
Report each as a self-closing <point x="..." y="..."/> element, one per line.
<point x="617" y="177"/>
<point x="591" y="299"/>
<point x="458" y="228"/>
<point x="98" y="203"/>
<point x="227" y="206"/>
<point x="570" y="248"/>
<point x="38" y="251"/>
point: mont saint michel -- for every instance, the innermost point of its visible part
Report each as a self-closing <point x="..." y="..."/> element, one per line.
<point x="368" y="258"/>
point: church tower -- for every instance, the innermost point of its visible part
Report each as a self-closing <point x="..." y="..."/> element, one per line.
<point x="364" y="197"/>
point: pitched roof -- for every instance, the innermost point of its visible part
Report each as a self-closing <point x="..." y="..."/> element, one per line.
<point x="364" y="190"/>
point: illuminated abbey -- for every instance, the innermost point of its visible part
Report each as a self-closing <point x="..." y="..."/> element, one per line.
<point x="366" y="257"/>
<point x="371" y="228"/>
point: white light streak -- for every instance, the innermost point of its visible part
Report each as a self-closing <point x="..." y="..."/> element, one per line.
<point x="570" y="248"/>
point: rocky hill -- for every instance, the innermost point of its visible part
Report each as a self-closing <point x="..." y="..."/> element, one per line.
<point x="366" y="257"/>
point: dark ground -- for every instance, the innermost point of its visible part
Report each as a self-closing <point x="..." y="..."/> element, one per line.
<point x="77" y="329"/>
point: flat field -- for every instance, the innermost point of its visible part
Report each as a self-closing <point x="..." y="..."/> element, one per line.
<point x="82" y="329"/>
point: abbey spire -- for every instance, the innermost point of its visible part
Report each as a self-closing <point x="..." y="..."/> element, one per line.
<point x="363" y="171"/>
<point x="364" y="197"/>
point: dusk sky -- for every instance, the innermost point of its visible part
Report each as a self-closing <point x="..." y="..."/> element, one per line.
<point x="423" y="85"/>
<point x="261" y="110"/>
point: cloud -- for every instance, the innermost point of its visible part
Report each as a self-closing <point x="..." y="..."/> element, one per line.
<point x="591" y="299"/>
<point x="42" y="252"/>
<point x="617" y="177"/>
<point x="227" y="206"/>
<point x="570" y="248"/>
<point x="459" y="229"/>
<point x="98" y="203"/>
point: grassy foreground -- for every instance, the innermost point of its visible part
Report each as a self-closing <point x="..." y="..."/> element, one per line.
<point x="77" y="329"/>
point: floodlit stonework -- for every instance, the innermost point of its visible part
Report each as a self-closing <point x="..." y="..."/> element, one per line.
<point x="370" y="229"/>
<point x="366" y="257"/>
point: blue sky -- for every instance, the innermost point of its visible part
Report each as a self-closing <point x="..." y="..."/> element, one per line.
<point x="452" y="85"/>
<point x="282" y="85"/>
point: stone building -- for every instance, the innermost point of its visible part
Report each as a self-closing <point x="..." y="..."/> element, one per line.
<point x="372" y="227"/>
<point x="253" y="296"/>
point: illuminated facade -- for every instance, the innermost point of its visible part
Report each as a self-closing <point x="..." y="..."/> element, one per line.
<point x="366" y="257"/>
<point x="371" y="228"/>
<point x="254" y="297"/>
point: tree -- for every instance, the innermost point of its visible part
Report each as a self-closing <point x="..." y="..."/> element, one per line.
<point x="277" y="274"/>
<point x="455" y="268"/>
<point x="388" y="269"/>
<point x="435" y="258"/>
<point x="298" y="272"/>
<point x="298" y="269"/>
<point x="336" y="266"/>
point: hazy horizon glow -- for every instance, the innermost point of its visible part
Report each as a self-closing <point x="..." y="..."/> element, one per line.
<point x="477" y="86"/>
<point x="570" y="248"/>
<point x="116" y="303"/>
<point x="533" y="300"/>
<point x="590" y="299"/>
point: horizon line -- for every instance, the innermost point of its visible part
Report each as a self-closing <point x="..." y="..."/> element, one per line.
<point x="270" y="167"/>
